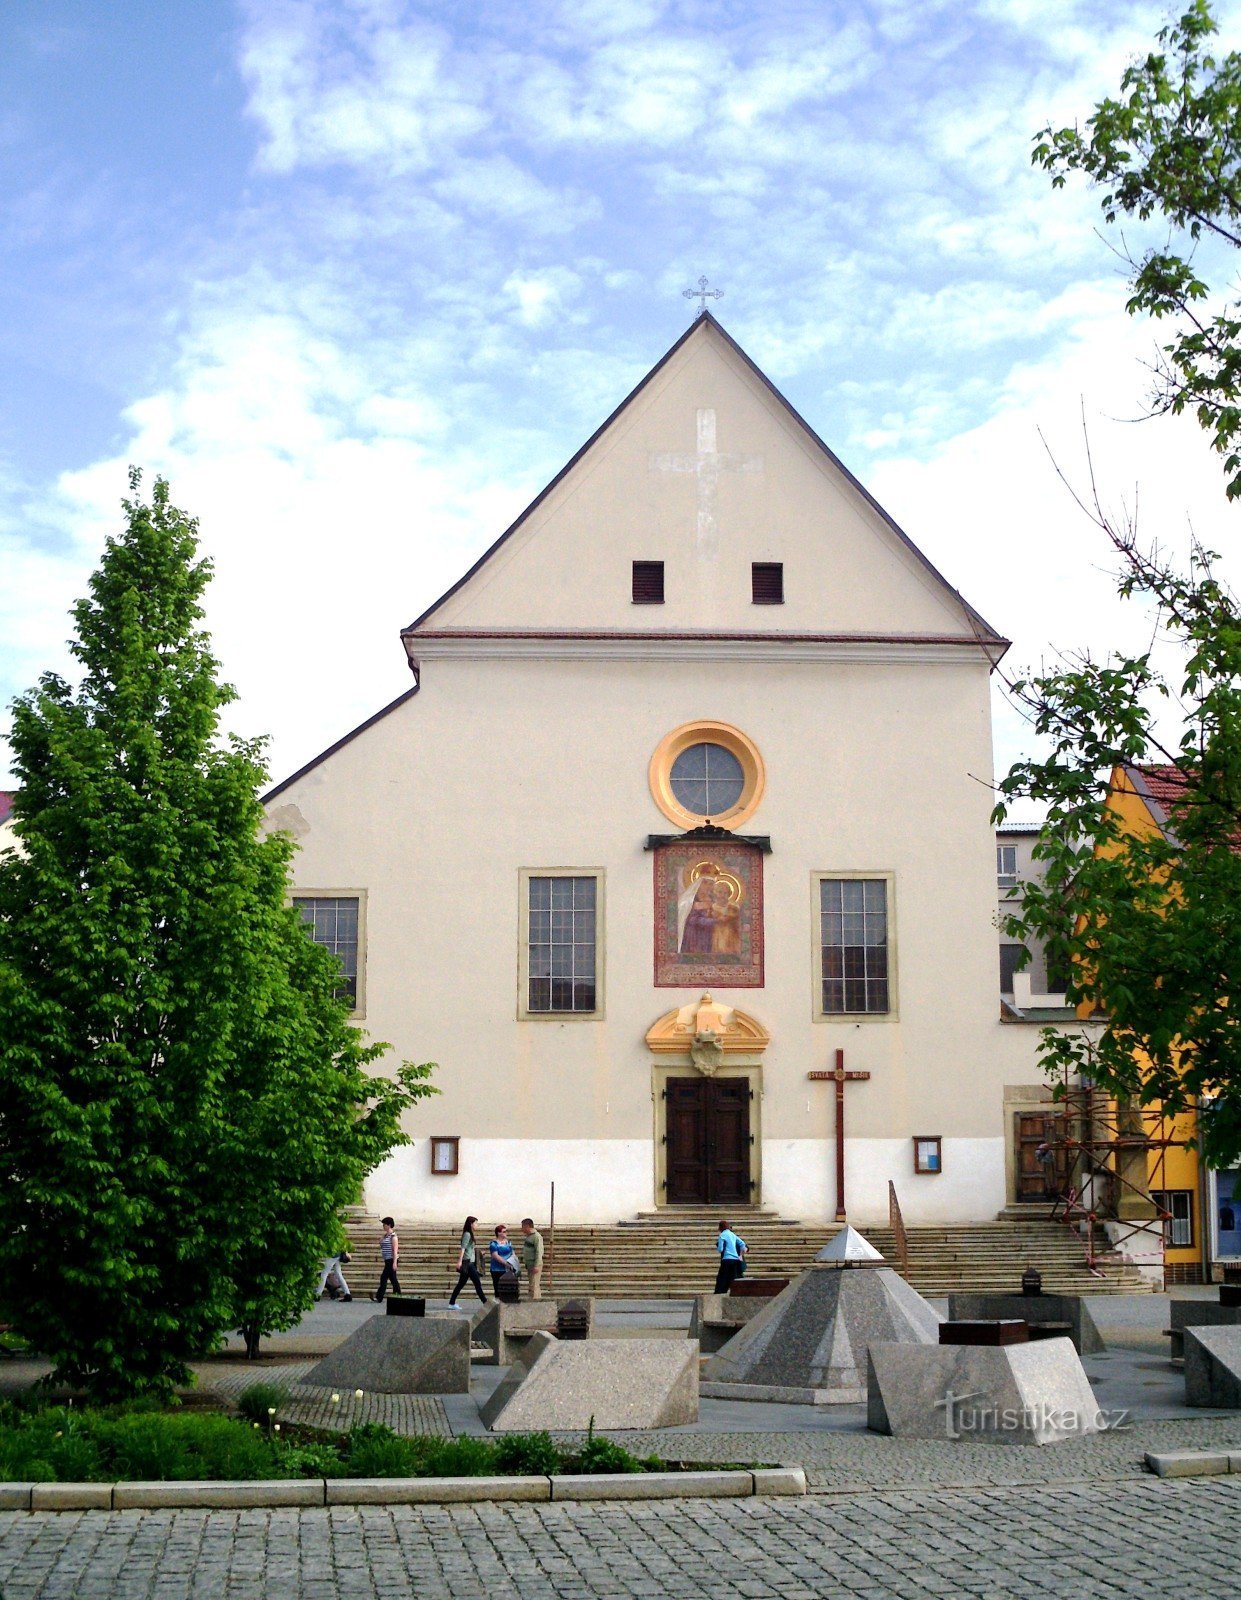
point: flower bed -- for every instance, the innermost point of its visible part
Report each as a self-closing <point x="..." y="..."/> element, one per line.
<point x="69" y="1444"/>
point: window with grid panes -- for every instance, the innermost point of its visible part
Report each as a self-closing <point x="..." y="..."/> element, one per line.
<point x="333" y="923"/>
<point x="1006" y="866"/>
<point x="854" y="938"/>
<point x="561" y="964"/>
<point x="1178" y="1229"/>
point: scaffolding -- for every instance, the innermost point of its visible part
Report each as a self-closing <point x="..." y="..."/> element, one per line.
<point x="1108" y="1159"/>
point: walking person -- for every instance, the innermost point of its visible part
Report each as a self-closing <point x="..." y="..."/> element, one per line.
<point x="390" y="1250"/>
<point x="503" y="1257"/>
<point x="732" y="1258"/>
<point x="532" y="1257"/>
<point x="467" y="1264"/>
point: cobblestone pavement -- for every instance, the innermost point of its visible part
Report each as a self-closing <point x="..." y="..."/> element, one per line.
<point x="311" y="1404"/>
<point x="1072" y="1542"/>
<point x="848" y="1461"/>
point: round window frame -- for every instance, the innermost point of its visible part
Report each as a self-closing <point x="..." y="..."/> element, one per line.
<point x="737" y="744"/>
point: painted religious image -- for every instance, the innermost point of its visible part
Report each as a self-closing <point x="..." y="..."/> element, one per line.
<point x="708" y="915"/>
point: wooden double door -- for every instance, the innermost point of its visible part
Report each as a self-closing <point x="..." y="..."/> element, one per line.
<point x="1039" y="1180"/>
<point x="708" y="1141"/>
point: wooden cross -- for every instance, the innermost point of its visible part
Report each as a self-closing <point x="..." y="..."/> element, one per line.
<point x="839" y="1077"/>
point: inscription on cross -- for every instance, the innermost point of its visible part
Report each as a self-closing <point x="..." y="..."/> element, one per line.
<point x="706" y="464"/>
<point x="839" y="1077"/>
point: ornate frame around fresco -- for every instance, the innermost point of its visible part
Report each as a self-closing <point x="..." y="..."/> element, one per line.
<point x="736" y="863"/>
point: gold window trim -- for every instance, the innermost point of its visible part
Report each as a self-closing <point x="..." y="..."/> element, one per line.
<point x="734" y="741"/>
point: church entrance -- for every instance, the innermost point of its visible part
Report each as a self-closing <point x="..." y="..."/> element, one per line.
<point x="708" y="1134"/>
<point x="1035" y="1179"/>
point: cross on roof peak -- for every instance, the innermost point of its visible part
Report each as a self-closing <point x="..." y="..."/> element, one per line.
<point x="702" y="294"/>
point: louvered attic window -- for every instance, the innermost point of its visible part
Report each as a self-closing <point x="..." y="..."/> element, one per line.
<point x="767" y="579"/>
<point x="648" y="583"/>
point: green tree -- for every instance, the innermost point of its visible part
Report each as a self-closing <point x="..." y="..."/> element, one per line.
<point x="1150" y="927"/>
<point x="1169" y="149"/>
<point x="1147" y="926"/>
<point x="184" y="1105"/>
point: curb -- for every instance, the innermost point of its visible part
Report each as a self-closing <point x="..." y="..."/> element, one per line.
<point x="761" y="1482"/>
<point x="1193" y="1463"/>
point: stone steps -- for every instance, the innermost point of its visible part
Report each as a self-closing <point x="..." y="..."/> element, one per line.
<point x="657" y="1256"/>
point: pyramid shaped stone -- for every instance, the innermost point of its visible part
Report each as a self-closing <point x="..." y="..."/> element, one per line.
<point x="848" y="1247"/>
<point x="815" y="1335"/>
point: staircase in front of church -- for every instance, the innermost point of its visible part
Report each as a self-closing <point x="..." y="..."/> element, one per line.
<point x="671" y="1255"/>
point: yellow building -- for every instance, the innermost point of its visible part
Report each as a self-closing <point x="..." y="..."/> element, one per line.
<point x="1202" y="1207"/>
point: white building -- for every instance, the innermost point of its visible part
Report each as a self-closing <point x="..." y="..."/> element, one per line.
<point x="704" y="619"/>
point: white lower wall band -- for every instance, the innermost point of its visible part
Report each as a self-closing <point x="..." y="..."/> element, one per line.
<point x="606" y="1180"/>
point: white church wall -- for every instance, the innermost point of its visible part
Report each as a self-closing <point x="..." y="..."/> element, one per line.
<point x="597" y="1180"/>
<point x="799" y="1180"/>
<point x="529" y="750"/>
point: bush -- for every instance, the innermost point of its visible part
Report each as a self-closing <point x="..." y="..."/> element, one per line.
<point x="178" y="1447"/>
<point x="259" y="1400"/>
<point x="374" y="1451"/>
<point x="526" y="1453"/>
<point x="603" y="1455"/>
<point x="312" y="1459"/>
<point x="458" y="1458"/>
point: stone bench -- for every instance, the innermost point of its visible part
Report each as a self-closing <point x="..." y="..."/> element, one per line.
<point x="1057" y="1314"/>
<point x="507" y="1327"/>
<point x="716" y="1317"/>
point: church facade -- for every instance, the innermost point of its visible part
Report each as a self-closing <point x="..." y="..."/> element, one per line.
<point x="688" y="803"/>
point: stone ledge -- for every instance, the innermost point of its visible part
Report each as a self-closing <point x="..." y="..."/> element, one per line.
<point x="256" y="1492"/>
<point x="652" y="1485"/>
<point x="16" y="1496"/>
<point x="777" y="1394"/>
<point x="435" y="1491"/>
<point x="1193" y="1463"/>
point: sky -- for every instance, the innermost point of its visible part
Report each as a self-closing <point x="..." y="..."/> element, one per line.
<point x="359" y="276"/>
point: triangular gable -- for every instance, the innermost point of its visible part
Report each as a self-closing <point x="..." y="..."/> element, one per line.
<point x="629" y="493"/>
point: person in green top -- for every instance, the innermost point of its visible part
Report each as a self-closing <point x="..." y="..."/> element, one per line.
<point x="467" y="1264"/>
<point x="532" y="1256"/>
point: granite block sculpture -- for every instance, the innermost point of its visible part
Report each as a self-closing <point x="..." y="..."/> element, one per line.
<point x="401" y="1355"/>
<point x="1001" y="1394"/>
<point x="1213" y="1367"/>
<point x="620" y="1383"/>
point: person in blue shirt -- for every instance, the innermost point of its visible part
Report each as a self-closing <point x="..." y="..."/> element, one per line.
<point x="732" y="1258"/>
<point x="503" y="1257"/>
